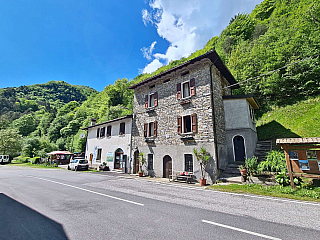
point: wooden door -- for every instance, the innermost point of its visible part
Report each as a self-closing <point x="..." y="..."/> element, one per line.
<point x="167" y="166"/>
<point x="136" y="162"/>
<point x="239" y="149"/>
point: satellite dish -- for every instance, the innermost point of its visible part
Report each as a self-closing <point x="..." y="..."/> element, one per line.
<point x="82" y="135"/>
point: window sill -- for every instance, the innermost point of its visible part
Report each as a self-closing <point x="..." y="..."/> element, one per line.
<point x="122" y="135"/>
<point x="150" y="109"/>
<point x="150" y="139"/>
<point x="187" y="136"/>
<point x="185" y="100"/>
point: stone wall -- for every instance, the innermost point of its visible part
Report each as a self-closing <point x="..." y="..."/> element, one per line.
<point x="169" y="108"/>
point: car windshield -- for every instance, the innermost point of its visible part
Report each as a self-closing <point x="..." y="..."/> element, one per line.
<point x="83" y="161"/>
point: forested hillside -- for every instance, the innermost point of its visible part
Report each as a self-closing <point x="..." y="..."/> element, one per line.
<point x="30" y="112"/>
<point x="275" y="34"/>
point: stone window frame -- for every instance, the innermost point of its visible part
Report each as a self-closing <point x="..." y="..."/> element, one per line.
<point x="192" y="89"/>
<point x="147" y="129"/>
<point x="148" y="100"/>
<point x="194" y="124"/>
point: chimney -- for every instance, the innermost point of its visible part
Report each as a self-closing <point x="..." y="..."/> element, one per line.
<point x="93" y="121"/>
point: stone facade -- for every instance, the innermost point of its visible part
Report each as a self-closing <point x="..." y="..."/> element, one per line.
<point x="206" y="103"/>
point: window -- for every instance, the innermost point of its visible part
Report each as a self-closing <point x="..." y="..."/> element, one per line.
<point x="122" y="128"/>
<point x="102" y="132"/>
<point x="150" y="129"/>
<point x="187" y="124"/>
<point x="98" y="132"/>
<point x="98" y="159"/>
<point x="188" y="89"/>
<point x="188" y="163"/>
<point x="251" y="111"/>
<point x="108" y="131"/>
<point x="150" y="161"/>
<point x="151" y="100"/>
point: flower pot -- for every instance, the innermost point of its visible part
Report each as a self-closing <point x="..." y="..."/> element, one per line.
<point x="140" y="174"/>
<point x="203" y="182"/>
<point x="243" y="171"/>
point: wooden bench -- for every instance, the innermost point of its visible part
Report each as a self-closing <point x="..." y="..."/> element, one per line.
<point x="187" y="177"/>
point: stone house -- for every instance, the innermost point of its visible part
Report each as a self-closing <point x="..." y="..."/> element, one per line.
<point x="185" y="108"/>
<point x="110" y="142"/>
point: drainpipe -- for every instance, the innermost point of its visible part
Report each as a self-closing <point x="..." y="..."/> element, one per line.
<point x="213" y="117"/>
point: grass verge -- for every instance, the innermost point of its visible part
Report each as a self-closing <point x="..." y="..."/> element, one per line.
<point x="304" y="193"/>
<point x="29" y="164"/>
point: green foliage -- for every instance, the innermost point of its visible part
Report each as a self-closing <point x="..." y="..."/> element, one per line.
<point x="298" y="120"/>
<point x="284" y="180"/>
<point x="31" y="146"/>
<point x="252" y="165"/>
<point x="142" y="161"/>
<point x="275" y="162"/>
<point x="203" y="158"/>
<point x="10" y="142"/>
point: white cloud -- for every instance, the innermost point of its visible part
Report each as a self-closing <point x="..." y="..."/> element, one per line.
<point x="151" y="67"/>
<point x="147" y="51"/>
<point x="188" y="24"/>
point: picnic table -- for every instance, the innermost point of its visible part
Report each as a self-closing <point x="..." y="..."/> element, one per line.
<point x="187" y="177"/>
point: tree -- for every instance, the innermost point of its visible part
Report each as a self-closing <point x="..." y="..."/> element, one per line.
<point x="202" y="157"/>
<point x="31" y="147"/>
<point x="10" y="141"/>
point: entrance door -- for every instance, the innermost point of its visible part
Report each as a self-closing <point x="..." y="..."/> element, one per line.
<point x="167" y="166"/>
<point x="118" y="158"/>
<point x="136" y="162"/>
<point x="239" y="150"/>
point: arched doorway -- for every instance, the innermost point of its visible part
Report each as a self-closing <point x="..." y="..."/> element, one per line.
<point x="118" y="157"/>
<point x="239" y="148"/>
<point x="167" y="166"/>
<point x="136" y="162"/>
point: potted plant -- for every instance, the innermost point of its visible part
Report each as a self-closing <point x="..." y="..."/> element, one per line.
<point x="142" y="161"/>
<point x="243" y="171"/>
<point x="104" y="167"/>
<point x="203" y="158"/>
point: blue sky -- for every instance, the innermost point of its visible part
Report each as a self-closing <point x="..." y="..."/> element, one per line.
<point x="94" y="43"/>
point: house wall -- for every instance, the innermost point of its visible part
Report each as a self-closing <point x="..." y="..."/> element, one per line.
<point x="239" y="122"/>
<point x="168" y="141"/>
<point x="109" y="144"/>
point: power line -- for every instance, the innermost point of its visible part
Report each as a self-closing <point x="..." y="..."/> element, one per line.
<point x="264" y="74"/>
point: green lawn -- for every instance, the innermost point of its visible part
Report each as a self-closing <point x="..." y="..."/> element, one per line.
<point x="29" y="164"/>
<point x="305" y="193"/>
<point x="298" y="120"/>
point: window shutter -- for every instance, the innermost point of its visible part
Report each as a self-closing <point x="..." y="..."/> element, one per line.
<point x="145" y="129"/>
<point x="146" y="101"/>
<point x="178" y="91"/>
<point x="98" y="132"/>
<point x="194" y="122"/>
<point x="155" y="128"/>
<point x="102" y="131"/>
<point x="192" y="87"/>
<point x="179" y="124"/>
<point x="156" y="99"/>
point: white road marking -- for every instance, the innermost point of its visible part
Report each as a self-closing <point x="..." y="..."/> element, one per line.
<point x="241" y="230"/>
<point x="86" y="190"/>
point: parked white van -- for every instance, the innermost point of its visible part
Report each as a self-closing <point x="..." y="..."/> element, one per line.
<point x="4" y="159"/>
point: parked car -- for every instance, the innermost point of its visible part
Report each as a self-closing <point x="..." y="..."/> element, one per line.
<point x="4" y="159"/>
<point x="78" y="164"/>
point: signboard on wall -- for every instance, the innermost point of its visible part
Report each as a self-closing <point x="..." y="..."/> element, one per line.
<point x="311" y="155"/>
<point x="109" y="156"/>
<point x="293" y="155"/>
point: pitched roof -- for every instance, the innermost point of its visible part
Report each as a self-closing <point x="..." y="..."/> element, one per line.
<point x="214" y="58"/>
<point x="311" y="140"/>
<point x="110" y="121"/>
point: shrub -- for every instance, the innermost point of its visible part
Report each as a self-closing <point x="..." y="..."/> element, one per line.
<point x="22" y="159"/>
<point x="36" y="160"/>
<point x="284" y="180"/>
<point x="252" y="165"/>
<point x="275" y="162"/>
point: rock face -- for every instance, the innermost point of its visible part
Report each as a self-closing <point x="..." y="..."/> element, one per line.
<point x="172" y="125"/>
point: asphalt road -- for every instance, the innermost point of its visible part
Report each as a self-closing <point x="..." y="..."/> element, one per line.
<point x="60" y="204"/>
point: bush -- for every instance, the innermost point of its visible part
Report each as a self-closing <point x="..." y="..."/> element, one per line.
<point x="36" y="160"/>
<point x="252" y="165"/>
<point x="284" y="180"/>
<point x="275" y="162"/>
<point x="22" y="159"/>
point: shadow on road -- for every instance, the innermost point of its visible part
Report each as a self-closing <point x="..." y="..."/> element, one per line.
<point x="21" y="222"/>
